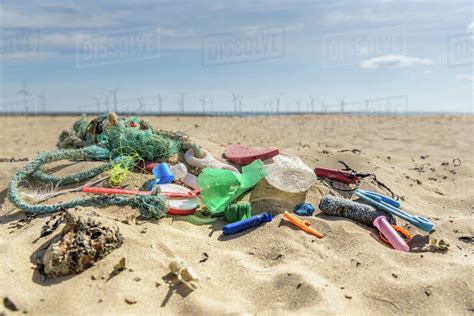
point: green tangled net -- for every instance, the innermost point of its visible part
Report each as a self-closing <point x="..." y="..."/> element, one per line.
<point x="106" y="137"/>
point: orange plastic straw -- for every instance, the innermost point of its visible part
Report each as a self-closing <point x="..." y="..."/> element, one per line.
<point x="403" y="232"/>
<point x="303" y="225"/>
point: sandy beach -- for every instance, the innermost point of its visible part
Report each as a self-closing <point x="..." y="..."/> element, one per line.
<point x="275" y="268"/>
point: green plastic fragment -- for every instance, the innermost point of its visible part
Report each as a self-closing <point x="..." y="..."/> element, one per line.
<point x="237" y="212"/>
<point x="219" y="187"/>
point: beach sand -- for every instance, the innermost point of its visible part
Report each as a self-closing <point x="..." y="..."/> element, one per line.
<point x="273" y="268"/>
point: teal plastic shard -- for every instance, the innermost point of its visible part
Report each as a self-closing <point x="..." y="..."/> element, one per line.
<point x="219" y="187"/>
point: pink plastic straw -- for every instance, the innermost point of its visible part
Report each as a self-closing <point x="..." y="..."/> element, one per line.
<point x="390" y="234"/>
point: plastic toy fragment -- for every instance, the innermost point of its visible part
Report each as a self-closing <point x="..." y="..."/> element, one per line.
<point x="389" y="205"/>
<point x="184" y="273"/>
<point x="391" y="234"/>
<point x="245" y="224"/>
<point x="303" y="225"/>
<point x="243" y="155"/>
<point x="304" y="209"/>
<point x="207" y="162"/>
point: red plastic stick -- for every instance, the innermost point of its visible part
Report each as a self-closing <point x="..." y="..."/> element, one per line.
<point x="343" y="176"/>
<point x="98" y="190"/>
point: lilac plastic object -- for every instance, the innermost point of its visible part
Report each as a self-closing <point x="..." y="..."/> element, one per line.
<point x="390" y="234"/>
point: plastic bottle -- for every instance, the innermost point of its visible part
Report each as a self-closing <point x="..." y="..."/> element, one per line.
<point x="390" y="234"/>
<point x="244" y="224"/>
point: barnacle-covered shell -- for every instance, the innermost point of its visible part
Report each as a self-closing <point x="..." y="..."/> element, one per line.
<point x="84" y="241"/>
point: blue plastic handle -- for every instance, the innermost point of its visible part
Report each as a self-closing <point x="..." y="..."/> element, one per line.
<point x="376" y="200"/>
<point x="380" y="197"/>
<point x="244" y="224"/>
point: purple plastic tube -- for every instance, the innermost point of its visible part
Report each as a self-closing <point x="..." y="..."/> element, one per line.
<point x="391" y="234"/>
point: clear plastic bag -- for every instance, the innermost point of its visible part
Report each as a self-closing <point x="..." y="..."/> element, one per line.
<point x="288" y="173"/>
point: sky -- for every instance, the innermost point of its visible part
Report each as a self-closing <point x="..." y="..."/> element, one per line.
<point x="247" y="56"/>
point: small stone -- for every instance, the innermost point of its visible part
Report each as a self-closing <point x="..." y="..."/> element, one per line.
<point x="299" y="285"/>
<point x="395" y="275"/>
<point x="205" y="256"/>
<point x="8" y="303"/>
<point x="100" y="301"/>
<point x="466" y="239"/>
<point x="157" y="284"/>
<point x="130" y="301"/>
<point x="93" y="277"/>
<point x="429" y="290"/>
<point x="348" y="296"/>
<point x="137" y="279"/>
<point x="119" y="267"/>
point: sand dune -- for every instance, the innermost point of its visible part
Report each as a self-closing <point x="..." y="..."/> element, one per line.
<point x="273" y="268"/>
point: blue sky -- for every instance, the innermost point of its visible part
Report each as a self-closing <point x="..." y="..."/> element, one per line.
<point x="218" y="55"/>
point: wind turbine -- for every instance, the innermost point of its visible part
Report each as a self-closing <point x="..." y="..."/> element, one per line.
<point x="181" y="102"/>
<point x="323" y="106"/>
<point x="235" y="100"/>
<point x="277" y="103"/>
<point x="42" y="99"/>
<point x="97" y="103"/>
<point x="203" y="103"/>
<point x="24" y="93"/>
<point x="114" y="95"/>
<point x="212" y="104"/>
<point x="342" y="104"/>
<point x="311" y="102"/>
<point x="107" y="104"/>
<point x="160" y="103"/>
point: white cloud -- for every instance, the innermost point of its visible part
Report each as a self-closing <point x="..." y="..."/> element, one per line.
<point x="470" y="27"/>
<point x="169" y="32"/>
<point x="25" y="55"/>
<point x="394" y="61"/>
<point x="13" y="19"/>
<point x="465" y="77"/>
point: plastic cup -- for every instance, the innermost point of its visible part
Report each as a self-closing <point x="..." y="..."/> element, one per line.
<point x="162" y="173"/>
<point x="179" y="171"/>
<point x="191" y="181"/>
